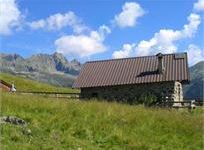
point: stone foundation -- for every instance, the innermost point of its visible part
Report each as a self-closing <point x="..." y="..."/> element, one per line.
<point x="166" y="91"/>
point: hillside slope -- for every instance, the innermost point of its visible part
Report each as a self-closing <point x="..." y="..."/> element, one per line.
<point x="23" y="84"/>
<point x="195" y="89"/>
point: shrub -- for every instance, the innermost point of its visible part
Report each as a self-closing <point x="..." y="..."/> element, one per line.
<point x="148" y="99"/>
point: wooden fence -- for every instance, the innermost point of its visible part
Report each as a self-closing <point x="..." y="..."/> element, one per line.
<point x="191" y="104"/>
<point x="52" y="94"/>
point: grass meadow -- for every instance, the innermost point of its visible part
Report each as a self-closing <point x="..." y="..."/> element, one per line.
<point x="58" y="124"/>
<point x="24" y="84"/>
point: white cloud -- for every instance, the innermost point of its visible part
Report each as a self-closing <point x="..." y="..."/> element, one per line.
<point x="10" y="16"/>
<point x="59" y="21"/>
<point x="103" y="31"/>
<point x="195" y="54"/>
<point x="131" y="11"/>
<point x="199" y="6"/>
<point x="164" y="40"/>
<point x="191" y="28"/>
<point x="83" y="45"/>
<point x="126" y="51"/>
<point x="38" y="24"/>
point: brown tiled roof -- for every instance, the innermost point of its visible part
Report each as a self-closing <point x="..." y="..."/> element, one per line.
<point x="134" y="70"/>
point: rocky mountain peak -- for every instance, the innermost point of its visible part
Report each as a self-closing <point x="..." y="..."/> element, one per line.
<point x="58" y="57"/>
<point x="40" y="63"/>
<point x="11" y="57"/>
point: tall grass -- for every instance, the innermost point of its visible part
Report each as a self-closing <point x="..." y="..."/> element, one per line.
<point x="92" y="125"/>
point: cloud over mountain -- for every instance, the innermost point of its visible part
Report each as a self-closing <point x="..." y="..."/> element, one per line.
<point x="83" y="45"/>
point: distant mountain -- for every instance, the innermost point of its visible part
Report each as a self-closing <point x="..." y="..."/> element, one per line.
<point x="54" y="69"/>
<point x="195" y="89"/>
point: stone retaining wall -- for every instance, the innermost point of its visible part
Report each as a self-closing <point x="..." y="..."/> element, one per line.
<point x="171" y="91"/>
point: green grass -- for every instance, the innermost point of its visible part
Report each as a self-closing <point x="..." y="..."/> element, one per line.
<point x="92" y="125"/>
<point x="23" y="84"/>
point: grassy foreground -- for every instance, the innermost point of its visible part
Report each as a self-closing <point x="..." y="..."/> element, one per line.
<point x="24" y="84"/>
<point x="91" y="125"/>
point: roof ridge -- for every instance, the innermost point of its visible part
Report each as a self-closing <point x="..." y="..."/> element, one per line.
<point x="117" y="59"/>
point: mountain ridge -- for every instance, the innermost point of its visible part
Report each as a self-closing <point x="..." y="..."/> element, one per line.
<point x="49" y="68"/>
<point x="40" y="62"/>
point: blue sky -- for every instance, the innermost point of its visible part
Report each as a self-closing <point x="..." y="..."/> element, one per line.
<point x="102" y="29"/>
